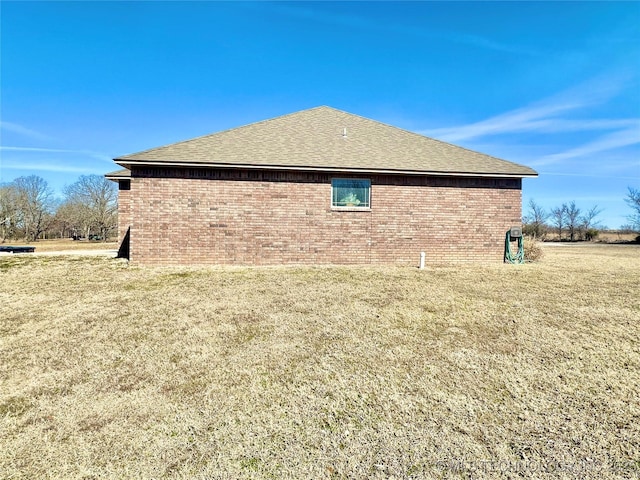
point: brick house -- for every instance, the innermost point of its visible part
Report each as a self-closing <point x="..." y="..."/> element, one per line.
<point x="319" y="186"/>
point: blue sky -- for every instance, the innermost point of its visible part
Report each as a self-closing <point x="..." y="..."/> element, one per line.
<point x="552" y="85"/>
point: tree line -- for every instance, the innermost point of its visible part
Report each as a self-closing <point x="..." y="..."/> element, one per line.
<point x="570" y="222"/>
<point x="29" y="209"/>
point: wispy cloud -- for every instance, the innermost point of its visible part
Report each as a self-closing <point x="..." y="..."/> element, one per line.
<point x="559" y="125"/>
<point x="519" y="120"/>
<point x="528" y="120"/>
<point x="482" y="42"/>
<point x="363" y="23"/>
<point x="36" y="149"/>
<point x="542" y="116"/>
<point x="24" y="131"/>
<point x="622" y="138"/>
<point x="48" y="167"/>
<point x="90" y="153"/>
<point x="548" y="116"/>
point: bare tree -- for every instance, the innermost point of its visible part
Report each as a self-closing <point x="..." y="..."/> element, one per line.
<point x="589" y="218"/>
<point x="69" y="220"/>
<point x="9" y="213"/>
<point x="633" y="200"/>
<point x="535" y="219"/>
<point x="559" y="218"/>
<point x="93" y="200"/>
<point x="34" y="200"/>
<point x="573" y="216"/>
<point x="588" y="223"/>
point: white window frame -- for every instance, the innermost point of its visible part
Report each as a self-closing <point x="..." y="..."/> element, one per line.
<point x="362" y="206"/>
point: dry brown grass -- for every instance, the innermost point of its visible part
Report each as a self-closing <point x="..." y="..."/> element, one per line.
<point x="503" y="371"/>
<point x="615" y="237"/>
<point x="604" y="236"/>
<point x="65" y="244"/>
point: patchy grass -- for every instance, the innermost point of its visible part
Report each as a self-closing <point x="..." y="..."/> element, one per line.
<point x="65" y="244"/>
<point x="615" y="237"/>
<point x="503" y="371"/>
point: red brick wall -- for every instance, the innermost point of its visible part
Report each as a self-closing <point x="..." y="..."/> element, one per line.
<point x="261" y="218"/>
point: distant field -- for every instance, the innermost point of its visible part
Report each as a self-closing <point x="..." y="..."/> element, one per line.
<point x="501" y="371"/>
<point x="613" y="237"/>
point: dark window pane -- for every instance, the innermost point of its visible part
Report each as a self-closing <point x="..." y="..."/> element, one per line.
<point x="348" y="192"/>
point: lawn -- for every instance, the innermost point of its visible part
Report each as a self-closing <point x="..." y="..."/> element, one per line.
<point x="65" y="244"/>
<point x="499" y="371"/>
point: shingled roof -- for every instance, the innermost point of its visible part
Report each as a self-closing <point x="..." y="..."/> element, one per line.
<point x="122" y="174"/>
<point x="326" y="139"/>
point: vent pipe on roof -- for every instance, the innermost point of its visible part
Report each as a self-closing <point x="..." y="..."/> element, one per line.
<point x="344" y="132"/>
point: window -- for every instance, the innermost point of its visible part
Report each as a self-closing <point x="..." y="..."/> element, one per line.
<point x="350" y="192"/>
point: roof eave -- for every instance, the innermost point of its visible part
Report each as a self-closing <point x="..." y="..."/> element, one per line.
<point x="118" y="175"/>
<point x="128" y="163"/>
